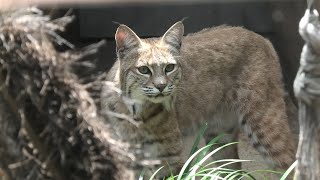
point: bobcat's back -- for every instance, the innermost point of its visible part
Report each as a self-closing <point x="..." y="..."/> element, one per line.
<point x="230" y="70"/>
<point x="226" y="76"/>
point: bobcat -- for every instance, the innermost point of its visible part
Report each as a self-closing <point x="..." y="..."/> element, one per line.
<point x="227" y="76"/>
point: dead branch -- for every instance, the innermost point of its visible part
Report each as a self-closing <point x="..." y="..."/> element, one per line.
<point x="49" y="123"/>
<point x="307" y="90"/>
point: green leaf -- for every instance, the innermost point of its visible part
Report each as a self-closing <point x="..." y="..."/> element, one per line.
<point x="195" y="146"/>
<point x="286" y="174"/>
<point x="155" y="173"/>
<point x="141" y="174"/>
<point x="197" y="141"/>
<point x="183" y="170"/>
<point x="196" y="166"/>
<point x="170" y="170"/>
<point x="205" y="151"/>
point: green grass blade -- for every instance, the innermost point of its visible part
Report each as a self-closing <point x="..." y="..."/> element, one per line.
<point x="205" y="151"/>
<point x="170" y="170"/>
<point x="155" y="173"/>
<point x="246" y="174"/>
<point x="210" y="176"/>
<point x="210" y="170"/>
<point x="216" y="172"/>
<point x="286" y="174"/>
<point x="226" y="160"/>
<point x="141" y="174"/>
<point x="195" y="146"/>
<point x="259" y="172"/>
<point x="194" y="166"/>
<point x="186" y="164"/>
<point x="236" y="173"/>
<point x="197" y="141"/>
<point x="221" y="166"/>
<point x="208" y="156"/>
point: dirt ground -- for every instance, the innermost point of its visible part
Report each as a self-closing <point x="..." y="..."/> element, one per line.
<point x="247" y="152"/>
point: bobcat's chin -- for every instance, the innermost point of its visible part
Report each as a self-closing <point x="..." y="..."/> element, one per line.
<point x="160" y="98"/>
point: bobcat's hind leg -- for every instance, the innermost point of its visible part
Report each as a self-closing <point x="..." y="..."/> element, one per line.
<point x="267" y="128"/>
<point x="224" y="123"/>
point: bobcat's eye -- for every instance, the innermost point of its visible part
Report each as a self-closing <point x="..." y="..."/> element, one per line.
<point x="169" y="68"/>
<point x="144" y="70"/>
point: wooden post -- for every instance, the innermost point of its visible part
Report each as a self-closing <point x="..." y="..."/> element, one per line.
<point x="307" y="90"/>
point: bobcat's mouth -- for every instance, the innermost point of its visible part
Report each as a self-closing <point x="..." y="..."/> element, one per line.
<point x="159" y="95"/>
<point x="158" y="98"/>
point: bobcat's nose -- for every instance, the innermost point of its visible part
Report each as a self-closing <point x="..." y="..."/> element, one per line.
<point x="160" y="83"/>
<point x="160" y="87"/>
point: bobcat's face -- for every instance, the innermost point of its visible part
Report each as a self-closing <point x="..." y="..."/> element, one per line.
<point x="149" y="68"/>
<point x="155" y="75"/>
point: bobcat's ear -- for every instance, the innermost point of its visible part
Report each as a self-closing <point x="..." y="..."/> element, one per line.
<point x="174" y="36"/>
<point x="126" y="39"/>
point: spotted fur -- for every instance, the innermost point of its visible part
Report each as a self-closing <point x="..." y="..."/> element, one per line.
<point x="227" y="76"/>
